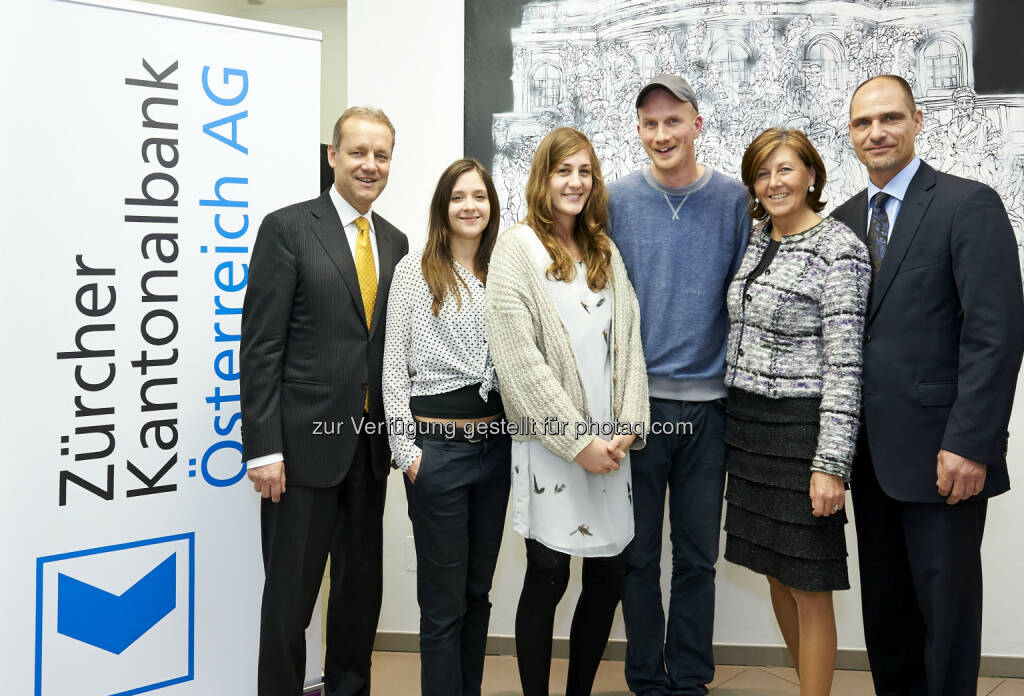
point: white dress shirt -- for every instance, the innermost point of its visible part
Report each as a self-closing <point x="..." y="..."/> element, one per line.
<point x="347" y="214"/>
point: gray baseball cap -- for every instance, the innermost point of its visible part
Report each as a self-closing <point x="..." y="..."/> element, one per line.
<point x="677" y="86"/>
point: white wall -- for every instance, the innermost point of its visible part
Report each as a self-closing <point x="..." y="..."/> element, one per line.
<point x="332" y="23"/>
<point x="1003" y="550"/>
<point x="222" y="7"/>
<point x="407" y="58"/>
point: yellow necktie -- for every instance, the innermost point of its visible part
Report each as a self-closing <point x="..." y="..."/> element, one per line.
<point x="365" y="269"/>
<point x="367" y="274"/>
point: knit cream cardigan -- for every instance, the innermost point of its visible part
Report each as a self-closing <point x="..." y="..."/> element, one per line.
<point x="537" y="371"/>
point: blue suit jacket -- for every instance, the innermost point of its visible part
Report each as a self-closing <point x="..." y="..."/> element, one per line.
<point x="943" y="336"/>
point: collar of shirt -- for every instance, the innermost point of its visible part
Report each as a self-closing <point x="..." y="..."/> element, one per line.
<point x="897" y="190"/>
<point x="467" y="275"/>
<point x="348" y="216"/>
<point x="347" y="213"/>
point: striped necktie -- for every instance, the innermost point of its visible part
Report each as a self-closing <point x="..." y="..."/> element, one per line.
<point x="878" y="230"/>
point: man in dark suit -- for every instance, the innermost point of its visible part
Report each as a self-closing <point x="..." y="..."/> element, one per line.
<point x="942" y="348"/>
<point x="311" y="360"/>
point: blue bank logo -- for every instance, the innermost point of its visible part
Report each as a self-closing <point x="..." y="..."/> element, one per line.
<point x="116" y="620"/>
<point x="113" y="622"/>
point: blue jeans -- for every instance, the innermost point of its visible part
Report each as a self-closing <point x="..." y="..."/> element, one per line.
<point x="676" y="659"/>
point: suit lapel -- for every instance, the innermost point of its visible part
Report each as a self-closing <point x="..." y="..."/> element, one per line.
<point x="385" y="253"/>
<point x="328" y="229"/>
<point x="908" y="221"/>
<point x="859" y="204"/>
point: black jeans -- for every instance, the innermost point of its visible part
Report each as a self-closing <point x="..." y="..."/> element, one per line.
<point x="547" y="576"/>
<point x="457" y="507"/>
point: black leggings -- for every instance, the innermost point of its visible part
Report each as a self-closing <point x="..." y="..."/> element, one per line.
<point x="547" y="576"/>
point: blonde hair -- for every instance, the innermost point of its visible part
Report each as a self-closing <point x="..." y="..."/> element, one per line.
<point x="368" y="113"/>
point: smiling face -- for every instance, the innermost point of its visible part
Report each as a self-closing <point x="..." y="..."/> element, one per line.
<point x="883" y="125"/>
<point x="781" y="184"/>
<point x="361" y="161"/>
<point x="668" y="128"/>
<point x="570" y="184"/>
<point x="469" y="209"/>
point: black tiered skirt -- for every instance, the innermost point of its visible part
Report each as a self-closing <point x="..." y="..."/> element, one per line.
<point x="769" y="525"/>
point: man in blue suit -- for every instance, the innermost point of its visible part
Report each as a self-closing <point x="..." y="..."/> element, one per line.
<point x="942" y="349"/>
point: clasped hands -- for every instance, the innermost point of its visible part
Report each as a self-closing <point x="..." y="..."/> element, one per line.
<point x="599" y="456"/>
<point x="603" y="456"/>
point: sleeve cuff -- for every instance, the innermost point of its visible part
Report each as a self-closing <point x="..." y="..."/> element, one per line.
<point x="831" y="468"/>
<point x="264" y="460"/>
<point x="403" y="466"/>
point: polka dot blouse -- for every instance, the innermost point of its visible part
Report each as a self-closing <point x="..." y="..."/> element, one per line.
<point x="426" y="355"/>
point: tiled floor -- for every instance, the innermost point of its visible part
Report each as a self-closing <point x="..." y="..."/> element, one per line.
<point x="399" y="673"/>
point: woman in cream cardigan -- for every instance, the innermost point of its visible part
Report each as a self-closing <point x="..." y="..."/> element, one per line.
<point x="564" y="332"/>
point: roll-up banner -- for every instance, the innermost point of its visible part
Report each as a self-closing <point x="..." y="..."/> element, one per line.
<point x="143" y="145"/>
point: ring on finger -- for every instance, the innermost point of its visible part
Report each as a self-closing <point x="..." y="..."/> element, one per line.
<point x="835" y="508"/>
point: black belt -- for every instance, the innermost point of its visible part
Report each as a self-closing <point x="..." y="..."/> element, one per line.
<point x="449" y="432"/>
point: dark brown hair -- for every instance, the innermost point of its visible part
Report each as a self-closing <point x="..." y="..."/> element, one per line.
<point x="438" y="264"/>
<point x="591" y="223"/>
<point x="762" y="148"/>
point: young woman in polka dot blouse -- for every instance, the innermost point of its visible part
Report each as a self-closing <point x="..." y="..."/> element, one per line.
<point x="445" y="420"/>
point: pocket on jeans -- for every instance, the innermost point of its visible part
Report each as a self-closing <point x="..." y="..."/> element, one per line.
<point x="433" y="454"/>
<point x="422" y="444"/>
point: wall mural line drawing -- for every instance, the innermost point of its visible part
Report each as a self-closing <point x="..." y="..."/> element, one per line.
<point x="754" y="65"/>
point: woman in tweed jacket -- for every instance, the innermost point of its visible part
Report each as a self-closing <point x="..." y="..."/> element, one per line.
<point x="564" y="331"/>
<point x="796" y="311"/>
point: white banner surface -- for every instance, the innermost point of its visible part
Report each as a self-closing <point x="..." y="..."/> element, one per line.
<point x="143" y="145"/>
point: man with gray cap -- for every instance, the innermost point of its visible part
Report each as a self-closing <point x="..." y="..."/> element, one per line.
<point x="682" y="229"/>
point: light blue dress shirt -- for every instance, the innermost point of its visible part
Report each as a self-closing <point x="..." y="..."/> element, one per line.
<point x="897" y="190"/>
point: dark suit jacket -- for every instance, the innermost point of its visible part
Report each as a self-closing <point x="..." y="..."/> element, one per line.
<point x="306" y="354"/>
<point x="943" y="336"/>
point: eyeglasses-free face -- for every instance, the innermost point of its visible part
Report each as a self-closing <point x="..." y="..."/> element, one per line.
<point x="571" y="184"/>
